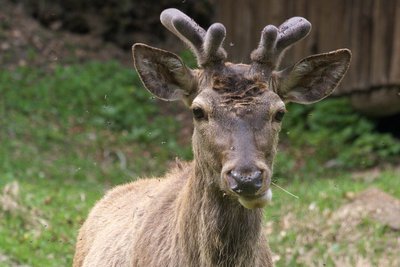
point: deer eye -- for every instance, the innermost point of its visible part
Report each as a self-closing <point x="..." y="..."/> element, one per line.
<point x="279" y="115"/>
<point x="199" y="114"/>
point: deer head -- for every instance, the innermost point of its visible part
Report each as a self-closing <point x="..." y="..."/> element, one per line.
<point x="237" y="108"/>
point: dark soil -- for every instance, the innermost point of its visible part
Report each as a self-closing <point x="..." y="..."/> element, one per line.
<point x="24" y="41"/>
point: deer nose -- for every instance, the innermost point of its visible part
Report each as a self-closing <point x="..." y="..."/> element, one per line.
<point x="245" y="183"/>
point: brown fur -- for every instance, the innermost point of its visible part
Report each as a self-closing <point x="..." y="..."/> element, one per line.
<point x="178" y="220"/>
<point x="237" y="90"/>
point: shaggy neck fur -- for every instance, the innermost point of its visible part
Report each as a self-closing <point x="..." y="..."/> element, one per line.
<point x="223" y="231"/>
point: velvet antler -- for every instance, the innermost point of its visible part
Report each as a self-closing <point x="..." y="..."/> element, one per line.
<point x="207" y="46"/>
<point x="275" y="40"/>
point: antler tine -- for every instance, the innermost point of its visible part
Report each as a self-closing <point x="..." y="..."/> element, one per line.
<point x="205" y="45"/>
<point x="183" y="27"/>
<point x="291" y="31"/>
<point x="274" y="41"/>
<point x="212" y="47"/>
<point x="266" y="51"/>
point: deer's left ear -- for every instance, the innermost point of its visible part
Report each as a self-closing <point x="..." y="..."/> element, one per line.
<point x="163" y="73"/>
<point x="313" y="78"/>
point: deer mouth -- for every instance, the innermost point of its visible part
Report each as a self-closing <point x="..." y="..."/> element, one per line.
<point x="256" y="201"/>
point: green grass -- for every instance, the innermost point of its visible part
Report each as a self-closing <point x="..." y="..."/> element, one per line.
<point x="69" y="135"/>
<point x="44" y="234"/>
<point x="304" y="232"/>
<point x="65" y="138"/>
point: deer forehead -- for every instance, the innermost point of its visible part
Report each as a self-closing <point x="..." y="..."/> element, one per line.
<point x="233" y="90"/>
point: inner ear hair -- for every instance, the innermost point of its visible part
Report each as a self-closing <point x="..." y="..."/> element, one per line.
<point x="163" y="73"/>
<point x="313" y="78"/>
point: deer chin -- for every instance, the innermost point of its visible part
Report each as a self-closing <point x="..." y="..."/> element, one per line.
<point x="259" y="202"/>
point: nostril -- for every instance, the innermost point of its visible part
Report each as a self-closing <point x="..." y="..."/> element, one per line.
<point x="233" y="182"/>
<point x="255" y="175"/>
<point x="257" y="179"/>
<point x="235" y="174"/>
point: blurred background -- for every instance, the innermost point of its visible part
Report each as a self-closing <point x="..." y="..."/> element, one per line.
<point x="75" y="121"/>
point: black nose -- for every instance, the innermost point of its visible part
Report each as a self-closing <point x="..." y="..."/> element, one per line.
<point x="245" y="183"/>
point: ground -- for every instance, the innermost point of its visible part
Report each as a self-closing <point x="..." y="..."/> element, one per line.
<point x="24" y="42"/>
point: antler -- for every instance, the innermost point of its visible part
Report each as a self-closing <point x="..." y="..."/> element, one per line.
<point x="274" y="41"/>
<point x="207" y="46"/>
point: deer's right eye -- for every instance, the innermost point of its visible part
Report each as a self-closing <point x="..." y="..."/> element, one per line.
<point x="199" y="114"/>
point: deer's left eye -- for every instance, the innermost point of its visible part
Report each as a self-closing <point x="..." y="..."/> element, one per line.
<point x="279" y="115"/>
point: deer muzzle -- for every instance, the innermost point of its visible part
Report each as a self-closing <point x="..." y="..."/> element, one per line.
<point x="245" y="183"/>
<point x="250" y="185"/>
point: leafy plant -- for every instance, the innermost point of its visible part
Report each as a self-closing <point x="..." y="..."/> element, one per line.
<point x="334" y="135"/>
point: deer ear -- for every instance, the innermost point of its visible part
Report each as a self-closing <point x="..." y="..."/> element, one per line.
<point x="313" y="78"/>
<point x="163" y="73"/>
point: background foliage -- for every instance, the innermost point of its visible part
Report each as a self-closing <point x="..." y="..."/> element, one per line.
<point x="114" y="21"/>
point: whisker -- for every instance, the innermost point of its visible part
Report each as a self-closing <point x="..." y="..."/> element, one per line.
<point x="284" y="190"/>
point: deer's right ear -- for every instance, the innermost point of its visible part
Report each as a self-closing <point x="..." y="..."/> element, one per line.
<point x="163" y="73"/>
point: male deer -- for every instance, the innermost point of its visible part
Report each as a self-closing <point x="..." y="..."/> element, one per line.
<point x="209" y="212"/>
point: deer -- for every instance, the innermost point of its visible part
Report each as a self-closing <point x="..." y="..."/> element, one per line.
<point x="209" y="212"/>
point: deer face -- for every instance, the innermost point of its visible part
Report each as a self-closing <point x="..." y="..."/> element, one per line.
<point x="237" y="120"/>
<point x="237" y="108"/>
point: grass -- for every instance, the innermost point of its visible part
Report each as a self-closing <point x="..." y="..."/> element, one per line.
<point x="68" y="136"/>
<point x="304" y="232"/>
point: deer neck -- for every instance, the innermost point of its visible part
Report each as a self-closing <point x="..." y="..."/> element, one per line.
<point x="215" y="227"/>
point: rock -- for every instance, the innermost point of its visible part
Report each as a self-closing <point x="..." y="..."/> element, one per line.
<point x="371" y="203"/>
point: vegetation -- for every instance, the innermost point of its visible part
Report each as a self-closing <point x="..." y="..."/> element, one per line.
<point x="69" y="135"/>
<point x="343" y="137"/>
